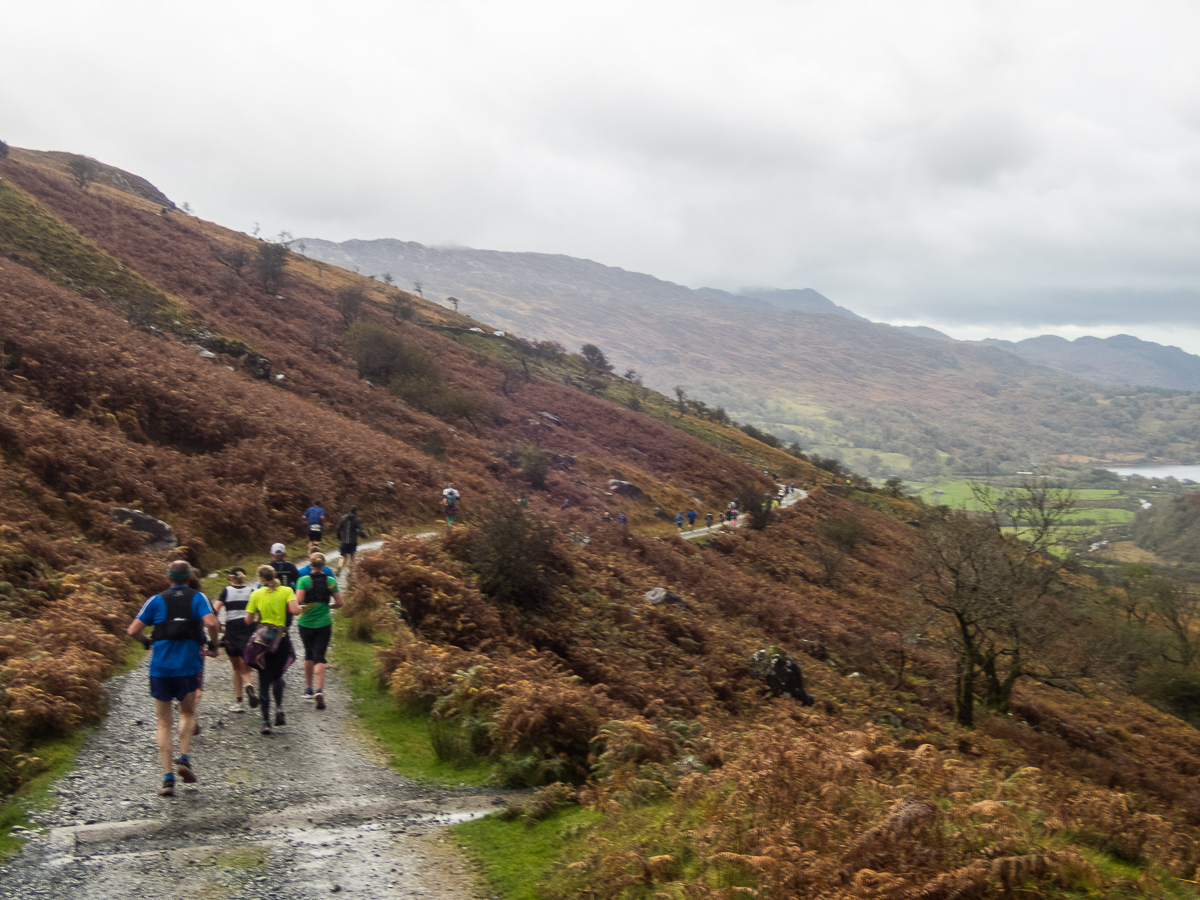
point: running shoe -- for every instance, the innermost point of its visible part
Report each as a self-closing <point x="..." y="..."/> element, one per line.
<point x="238" y="707"/>
<point x="184" y="768"/>
<point x="308" y="693"/>
<point x="251" y="696"/>
<point x="320" y="699"/>
<point x="168" y="786"/>
<point x="280" y="718"/>
<point x="266" y="729"/>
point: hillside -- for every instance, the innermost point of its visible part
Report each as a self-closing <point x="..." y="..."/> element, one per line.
<point x="887" y="400"/>
<point x="142" y="364"/>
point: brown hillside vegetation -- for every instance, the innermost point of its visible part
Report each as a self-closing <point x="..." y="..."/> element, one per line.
<point x="526" y="635"/>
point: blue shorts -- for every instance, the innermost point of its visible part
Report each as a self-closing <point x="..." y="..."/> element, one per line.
<point x="173" y="687"/>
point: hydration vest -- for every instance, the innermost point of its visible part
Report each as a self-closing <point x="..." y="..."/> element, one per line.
<point x="319" y="592"/>
<point x="179" y="625"/>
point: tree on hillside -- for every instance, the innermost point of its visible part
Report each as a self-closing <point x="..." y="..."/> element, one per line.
<point x="595" y="360"/>
<point x="681" y="399"/>
<point x="233" y="258"/>
<point x="83" y="170"/>
<point x="754" y="503"/>
<point x="270" y="264"/>
<point x="421" y="293"/>
<point x="1000" y="593"/>
<point x="388" y="279"/>
<point x="350" y="301"/>
<point x="3" y="150"/>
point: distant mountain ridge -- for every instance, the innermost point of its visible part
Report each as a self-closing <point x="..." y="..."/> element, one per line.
<point x="880" y="396"/>
<point x="1118" y="360"/>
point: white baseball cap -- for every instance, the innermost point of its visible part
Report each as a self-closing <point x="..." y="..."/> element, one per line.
<point x="278" y="548"/>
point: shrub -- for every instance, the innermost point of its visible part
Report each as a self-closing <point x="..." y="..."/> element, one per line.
<point x="1173" y="688"/>
<point x="269" y="265"/>
<point x="535" y="466"/>
<point x="514" y="555"/>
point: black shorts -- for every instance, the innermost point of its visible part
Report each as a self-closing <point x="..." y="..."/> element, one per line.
<point x="347" y="549"/>
<point x="316" y="642"/>
<point x="314" y="532"/>
<point x="237" y="634"/>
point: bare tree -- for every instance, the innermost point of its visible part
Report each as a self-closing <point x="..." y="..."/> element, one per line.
<point x="234" y="258"/>
<point x="453" y="301"/>
<point x="388" y="279"/>
<point x="421" y="294"/>
<point x="681" y="398"/>
<point x="1000" y="595"/>
<point x="83" y="170"/>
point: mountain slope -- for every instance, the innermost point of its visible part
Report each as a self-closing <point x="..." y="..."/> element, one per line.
<point x="841" y="385"/>
<point x="1118" y="360"/>
<point x="529" y="629"/>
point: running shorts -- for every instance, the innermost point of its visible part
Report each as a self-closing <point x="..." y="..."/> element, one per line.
<point x="316" y="642"/>
<point x="314" y="532"/>
<point x="174" y="687"/>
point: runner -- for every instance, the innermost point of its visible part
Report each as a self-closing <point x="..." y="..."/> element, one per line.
<point x="314" y="517"/>
<point x="708" y="520"/>
<point x="691" y="516"/>
<point x="349" y="530"/>
<point x="450" y="503"/>
<point x="314" y="595"/>
<point x="287" y="572"/>
<point x="233" y="601"/>
<point x="270" y="650"/>
<point x="679" y="520"/>
<point x="180" y="616"/>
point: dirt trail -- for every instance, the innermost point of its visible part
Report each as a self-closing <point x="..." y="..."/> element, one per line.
<point x="305" y="812"/>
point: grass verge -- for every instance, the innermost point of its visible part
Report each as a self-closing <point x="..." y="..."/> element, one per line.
<point x="52" y="760"/>
<point x="516" y="859"/>
<point x="403" y="735"/>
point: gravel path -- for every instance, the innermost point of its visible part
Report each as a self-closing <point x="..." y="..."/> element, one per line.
<point x="303" y="813"/>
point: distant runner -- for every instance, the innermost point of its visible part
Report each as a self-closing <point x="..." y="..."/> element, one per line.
<point x="348" y="532"/>
<point x="314" y="517"/>
<point x="691" y="516"/>
<point x="450" y="503"/>
<point x="708" y="520"/>
<point x="679" y="520"/>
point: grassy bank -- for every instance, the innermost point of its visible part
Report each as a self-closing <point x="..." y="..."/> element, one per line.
<point x="403" y="735"/>
<point x="517" y="858"/>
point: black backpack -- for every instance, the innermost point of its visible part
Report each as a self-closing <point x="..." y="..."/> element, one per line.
<point x="319" y="592"/>
<point x="179" y="624"/>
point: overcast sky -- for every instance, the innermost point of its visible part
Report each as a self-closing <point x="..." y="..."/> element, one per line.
<point x="988" y="168"/>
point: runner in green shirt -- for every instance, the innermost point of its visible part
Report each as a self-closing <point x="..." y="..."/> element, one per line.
<point x="316" y="593"/>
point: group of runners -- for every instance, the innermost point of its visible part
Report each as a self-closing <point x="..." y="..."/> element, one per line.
<point x="253" y="625"/>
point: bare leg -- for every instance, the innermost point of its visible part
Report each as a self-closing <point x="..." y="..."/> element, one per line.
<point x="187" y="720"/>
<point x="163" y="710"/>
<point x="240" y="676"/>
<point x="319" y="673"/>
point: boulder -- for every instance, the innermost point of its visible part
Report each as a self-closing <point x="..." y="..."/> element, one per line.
<point x="624" y="488"/>
<point x="779" y="670"/>
<point x="159" y="535"/>
<point x="659" y="596"/>
<point x="551" y="418"/>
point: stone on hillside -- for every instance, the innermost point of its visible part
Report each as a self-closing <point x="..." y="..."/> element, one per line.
<point x="159" y="535"/>
<point x="659" y="596"/>
<point x="784" y="678"/>
<point x="624" y="488"/>
<point x="815" y="649"/>
<point x="551" y="417"/>
<point x="660" y="513"/>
